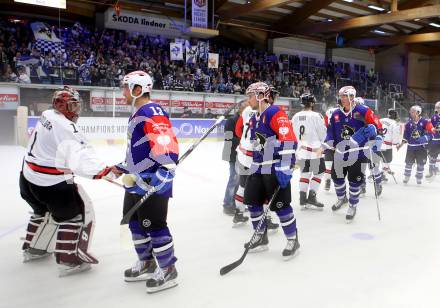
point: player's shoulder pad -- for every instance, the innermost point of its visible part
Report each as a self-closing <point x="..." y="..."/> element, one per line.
<point x="152" y="109"/>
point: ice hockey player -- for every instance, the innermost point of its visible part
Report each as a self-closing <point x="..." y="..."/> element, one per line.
<point x="274" y="145"/>
<point x="328" y="153"/>
<point x="244" y="158"/>
<point x="417" y="133"/>
<point x="152" y="152"/>
<point x="310" y="129"/>
<point x="391" y="131"/>
<point x="434" y="145"/>
<point x="63" y="218"/>
<point x="349" y="130"/>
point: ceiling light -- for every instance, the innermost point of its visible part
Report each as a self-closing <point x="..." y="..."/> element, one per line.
<point x="348" y="0"/>
<point x="377" y="8"/>
<point x="434" y="25"/>
<point x="329" y="19"/>
<point x="417" y="19"/>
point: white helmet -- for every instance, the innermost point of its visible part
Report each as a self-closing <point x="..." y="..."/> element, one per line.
<point x="437" y="105"/>
<point x="417" y="109"/>
<point x="348" y="90"/>
<point x="138" y="78"/>
<point x="258" y="88"/>
<point x="359" y="101"/>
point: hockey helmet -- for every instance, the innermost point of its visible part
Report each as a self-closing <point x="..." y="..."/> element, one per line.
<point x="68" y="102"/>
<point x="437" y="106"/>
<point x="138" y="78"/>
<point x="259" y="88"/>
<point x="359" y="101"/>
<point x="392" y="114"/>
<point x="417" y="109"/>
<point x="308" y="100"/>
<point x="348" y="91"/>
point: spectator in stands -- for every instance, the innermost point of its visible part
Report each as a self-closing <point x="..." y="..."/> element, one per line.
<point x="187" y="113"/>
<point x="23" y="76"/>
<point x="209" y="114"/>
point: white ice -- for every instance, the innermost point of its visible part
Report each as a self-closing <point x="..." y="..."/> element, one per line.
<point x="391" y="263"/>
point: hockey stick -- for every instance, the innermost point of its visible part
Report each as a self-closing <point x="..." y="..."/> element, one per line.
<point x="390" y="172"/>
<point x="374" y="183"/>
<point x="112" y="181"/>
<point x="135" y="207"/>
<point x="226" y="269"/>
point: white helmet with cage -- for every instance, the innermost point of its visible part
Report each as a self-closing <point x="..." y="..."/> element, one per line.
<point x="359" y="101"/>
<point x="417" y="109"/>
<point x="349" y="91"/>
<point x="138" y="78"/>
<point x="259" y="88"/>
<point x="437" y="106"/>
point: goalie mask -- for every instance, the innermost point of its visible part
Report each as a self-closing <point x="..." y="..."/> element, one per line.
<point x="67" y="102"/>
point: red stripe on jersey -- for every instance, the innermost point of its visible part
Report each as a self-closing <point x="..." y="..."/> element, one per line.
<point x="371" y="118"/>
<point x="102" y="173"/>
<point x="239" y="198"/>
<point x="48" y="170"/>
<point x="304" y="180"/>
<point x="244" y="151"/>
<point x="281" y="125"/>
<point x="161" y="136"/>
<point x="326" y="120"/>
<point x="388" y="143"/>
<point x="239" y="127"/>
<point x="317" y="180"/>
<point x="328" y="171"/>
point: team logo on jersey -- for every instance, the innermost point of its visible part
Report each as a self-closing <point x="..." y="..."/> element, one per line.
<point x="415" y="134"/>
<point x="146" y="223"/>
<point x="336" y="117"/>
<point x="357" y="115"/>
<point x="283" y="130"/>
<point x="347" y="132"/>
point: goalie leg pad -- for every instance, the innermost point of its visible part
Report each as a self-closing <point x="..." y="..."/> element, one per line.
<point x="45" y="236"/>
<point x="34" y="224"/>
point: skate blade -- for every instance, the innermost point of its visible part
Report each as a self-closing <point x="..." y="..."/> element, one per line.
<point x="287" y="258"/>
<point x="349" y="221"/>
<point x="63" y="272"/>
<point x="259" y="249"/>
<point x="165" y="286"/>
<point x="32" y="258"/>
<point x="314" y="207"/>
<point x="143" y="277"/>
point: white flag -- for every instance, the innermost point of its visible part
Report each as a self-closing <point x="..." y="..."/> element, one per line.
<point x="213" y="60"/>
<point x="191" y="54"/>
<point x="176" y="51"/>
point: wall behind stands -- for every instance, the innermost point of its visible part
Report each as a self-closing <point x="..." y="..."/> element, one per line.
<point x="418" y="73"/>
<point x="298" y="46"/>
<point x="353" y="56"/>
<point x="391" y="65"/>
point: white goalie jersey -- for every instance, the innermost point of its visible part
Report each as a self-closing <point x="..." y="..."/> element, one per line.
<point x="57" y="150"/>
<point x="310" y="130"/>
<point x="245" y="148"/>
<point x="392" y="133"/>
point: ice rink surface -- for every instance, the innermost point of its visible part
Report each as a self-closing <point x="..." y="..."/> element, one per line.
<point x="392" y="263"/>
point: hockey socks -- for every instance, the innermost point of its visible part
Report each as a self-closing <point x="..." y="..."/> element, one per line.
<point x="141" y="241"/>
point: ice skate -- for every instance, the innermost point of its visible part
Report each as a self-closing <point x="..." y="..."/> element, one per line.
<point x="292" y="247"/>
<point x="312" y="202"/>
<point x="67" y="269"/>
<point x="406" y="180"/>
<point x="302" y="199"/>
<point x="162" y="279"/>
<point x="259" y="243"/>
<point x="239" y="219"/>
<point x="142" y="270"/>
<point x="351" y="212"/>
<point x="340" y="203"/>
<point x="32" y="254"/>
<point x="327" y="184"/>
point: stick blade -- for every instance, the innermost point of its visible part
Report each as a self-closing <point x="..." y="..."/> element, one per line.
<point x="226" y="269"/>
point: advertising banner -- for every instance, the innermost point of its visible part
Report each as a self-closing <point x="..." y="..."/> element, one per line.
<point x="200" y="13"/>
<point x="9" y="97"/>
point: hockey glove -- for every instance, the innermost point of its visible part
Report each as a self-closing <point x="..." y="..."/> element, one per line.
<point x="370" y="131"/>
<point x="377" y="144"/>
<point x="359" y="136"/>
<point x="162" y="180"/>
<point x="422" y="139"/>
<point x="283" y="174"/>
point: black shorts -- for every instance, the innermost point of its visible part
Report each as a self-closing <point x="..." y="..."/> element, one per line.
<point x="317" y="166"/>
<point x="260" y="187"/>
<point x="387" y="156"/>
<point x="418" y="156"/>
<point x="355" y="172"/>
<point x="152" y="215"/>
<point x="61" y="200"/>
<point x="329" y="155"/>
<point x="434" y="150"/>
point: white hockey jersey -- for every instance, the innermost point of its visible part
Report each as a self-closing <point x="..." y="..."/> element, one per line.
<point x="57" y="150"/>
<point x="392" y="133"/>
<point x="328" y="114"/>
<point x="244" y="149"/>
<point x="310" y="129"/>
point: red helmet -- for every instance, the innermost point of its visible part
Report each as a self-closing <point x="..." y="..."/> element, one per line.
<point x="68" y="102"/>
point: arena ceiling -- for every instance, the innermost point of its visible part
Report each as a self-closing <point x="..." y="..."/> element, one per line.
<point x="362" y="23"/>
